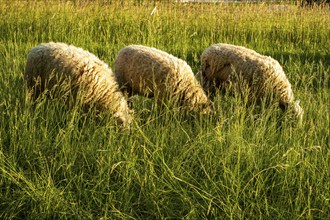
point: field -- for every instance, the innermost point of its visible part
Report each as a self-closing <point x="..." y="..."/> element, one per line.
<point x="240" y="163"/>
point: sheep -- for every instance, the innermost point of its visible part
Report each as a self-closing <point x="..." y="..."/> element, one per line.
<point x="54" y="64"/>
<point x="225" y="66"/>
<point x="147" y="71"/>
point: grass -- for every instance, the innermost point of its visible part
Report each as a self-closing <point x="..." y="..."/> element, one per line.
<point x="241" y="163"/>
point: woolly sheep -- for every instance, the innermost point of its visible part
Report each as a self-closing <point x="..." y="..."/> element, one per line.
<point x="154" y="73"/>
<point x="51" y="64"/>
<point x="226" y="66"/>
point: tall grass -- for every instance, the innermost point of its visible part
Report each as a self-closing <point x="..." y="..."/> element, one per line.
<point x="241" y="163"/>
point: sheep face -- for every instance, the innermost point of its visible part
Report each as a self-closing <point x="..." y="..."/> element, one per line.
<point x="298" y="111"/>
<point x="124" y="118"/>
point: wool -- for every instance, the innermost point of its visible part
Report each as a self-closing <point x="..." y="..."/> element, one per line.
<point x="154" y="73"/>
<point x="51" y="64"/>
<point x="226" y="66"/>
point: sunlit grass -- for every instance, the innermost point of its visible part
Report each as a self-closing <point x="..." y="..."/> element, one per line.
<point x="240" y="163"/>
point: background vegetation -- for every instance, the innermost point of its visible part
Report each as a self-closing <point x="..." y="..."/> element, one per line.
<point x="241" y="163"/>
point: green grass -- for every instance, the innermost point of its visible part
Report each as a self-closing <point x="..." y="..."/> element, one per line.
<point x="240" y="163"/>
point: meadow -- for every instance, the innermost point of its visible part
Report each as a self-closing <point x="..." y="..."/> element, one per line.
<point x="239" y="163"/>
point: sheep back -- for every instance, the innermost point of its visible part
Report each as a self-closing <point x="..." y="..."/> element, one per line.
<point x="225" y="63"/>
<point x="51" y="64"/>
<point x="154" y="73"/>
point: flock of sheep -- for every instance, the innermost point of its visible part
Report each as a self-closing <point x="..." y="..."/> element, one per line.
<point x="154" y="73"/>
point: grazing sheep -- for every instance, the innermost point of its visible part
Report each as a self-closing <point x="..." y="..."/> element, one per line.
<point x="53" y="64"/>
<point x="227" y="66"/>
<point x="154" y="73"/>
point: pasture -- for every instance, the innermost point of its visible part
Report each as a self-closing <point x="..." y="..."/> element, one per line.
<point x="239" y="163"/>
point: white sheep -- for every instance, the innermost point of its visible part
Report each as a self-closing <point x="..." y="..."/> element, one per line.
<point x="226" y="66"/>
<point x="60" y="64"/>
<point x="154" y="73"/>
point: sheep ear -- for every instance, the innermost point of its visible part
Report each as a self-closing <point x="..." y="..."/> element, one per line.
<point x="297" y="102"/>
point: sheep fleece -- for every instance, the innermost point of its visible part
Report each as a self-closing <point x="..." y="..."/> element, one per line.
<point x="225" y="63"/>
<point x="53" y="63"/>
<point x="155" y="73"/>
